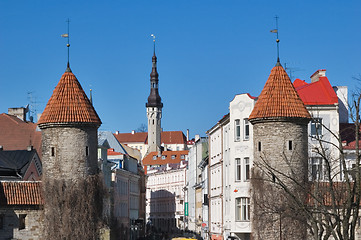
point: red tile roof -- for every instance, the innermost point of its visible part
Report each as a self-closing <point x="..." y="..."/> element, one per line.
<point x="16" y="134"/>
<point x="148" y="160"/>
<point x="279" y="98"/>
<point x="316" y="93"/>
<point x="138" y="137"/>
<point x="20" y="193"/>
<point x="69" y="104"/>
<point x="168" y="137"/>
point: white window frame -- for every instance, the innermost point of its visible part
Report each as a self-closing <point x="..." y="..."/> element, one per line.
<point x="238" y="169"/>
<point x="316" y="127"/>
<point x="318" y="169"/>
<point x="237" y="130"/>
<point x="246" y="169"/>
<point x="242" y="213"/>
<point x="246" y="129"/>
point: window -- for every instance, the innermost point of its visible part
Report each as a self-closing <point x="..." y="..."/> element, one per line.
<point x="154" y="157"/>
<point x="237" y="129"/>
<point x="205" y="199"/>
<point x="246" y="129"/>
<point x="316" y="127"/>
<point x="52" y="151"/>
<point x="164" y="157"/>
<point x="289" y="145"/>
<point x="238" y="169"/>
<point x="2" y="217"/>
<point x="87" y="151"/>
<point x="246" y="168"/>
<point x="318" y="169"/>
<point x="173" y="156"/>
<point x="242" y="209"/>
<point x="182" y="156"/>
<point x="22" y="221"/>
<point x="259" y="146"/>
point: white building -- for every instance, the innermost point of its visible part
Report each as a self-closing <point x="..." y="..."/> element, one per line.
<point x="237" y="168"/>
<point x="217" y="142"/>
<point x="165" y="196"/>
<point x="197" y="152"/>
<point x="231" y="152"/>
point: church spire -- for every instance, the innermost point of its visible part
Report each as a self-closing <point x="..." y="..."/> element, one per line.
<point x="154" y="100"/>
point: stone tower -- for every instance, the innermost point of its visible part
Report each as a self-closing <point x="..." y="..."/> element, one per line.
<point x="154" y="110"/>
<point x="279" y="121"/>
<point x="69" y="126"/>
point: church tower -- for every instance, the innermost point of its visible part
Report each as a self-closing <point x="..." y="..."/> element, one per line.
<point x="279" y="121"/>
<point x="71" y="186"/>
<point x="154" y="110"/>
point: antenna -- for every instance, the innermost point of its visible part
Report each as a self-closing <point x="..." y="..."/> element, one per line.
<point x="277" y="40"/>
<point x="292" y="70"/>
<point x="33" y="105"/>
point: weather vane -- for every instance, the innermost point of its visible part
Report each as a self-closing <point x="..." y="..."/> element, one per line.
<point x="66" y="35"/>
<point x="153" y="36"/>
<point x="277" y="40"/>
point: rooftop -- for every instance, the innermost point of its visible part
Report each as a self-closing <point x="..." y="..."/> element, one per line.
<point x="279" y="99"/>
<point x="20" y="193"/>
<point x="69" y="104"/>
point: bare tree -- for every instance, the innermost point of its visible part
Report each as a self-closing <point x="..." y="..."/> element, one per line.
<point x="142" y="128"/>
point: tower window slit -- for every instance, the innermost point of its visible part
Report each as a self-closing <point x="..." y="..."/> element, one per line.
<point x="87" y="151"/>
<point x="289" y="145"/>
<point x="52" y="151"/>
<point x="259" y="146"/>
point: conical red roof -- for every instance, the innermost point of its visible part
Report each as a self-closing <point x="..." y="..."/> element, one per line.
<point x="279" y="99"/>
<point x="69" y="104"/>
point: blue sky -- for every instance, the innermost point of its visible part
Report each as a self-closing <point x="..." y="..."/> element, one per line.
<point x="208" y="51"/>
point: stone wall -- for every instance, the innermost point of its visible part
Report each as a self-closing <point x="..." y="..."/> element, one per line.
<point x="69" y="152"/>
<point x="10" y="228"/>
<point x="280" y="158"/>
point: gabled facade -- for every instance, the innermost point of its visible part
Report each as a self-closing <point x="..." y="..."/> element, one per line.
<point x="20" y="165"/>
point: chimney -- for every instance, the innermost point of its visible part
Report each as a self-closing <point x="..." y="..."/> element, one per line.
<point x="316" y="76"/>
<point x="29" y="148"/>
<point x="133" y="131"/>
<point x="196" y="137"/>
<point x="18" y="112"/>
<point x="187" y="135"/>
<point x="117" y="132"/>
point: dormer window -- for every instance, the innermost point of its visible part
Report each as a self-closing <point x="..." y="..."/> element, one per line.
<point x="164" y="156"/>
<point x="182" y="156"/>
<point x="173" y="156"/>
<point x="154" y="157"/>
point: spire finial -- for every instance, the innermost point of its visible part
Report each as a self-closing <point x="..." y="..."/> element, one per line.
<point x="66" y="35"/>
<point x="153" y="36"/>
<point x="277" y="40"/>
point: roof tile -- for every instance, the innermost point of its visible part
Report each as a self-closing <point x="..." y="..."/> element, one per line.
<point x="20" y="193"/>
<point x="279" y="98"/>
<point x="69" y="104"/>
